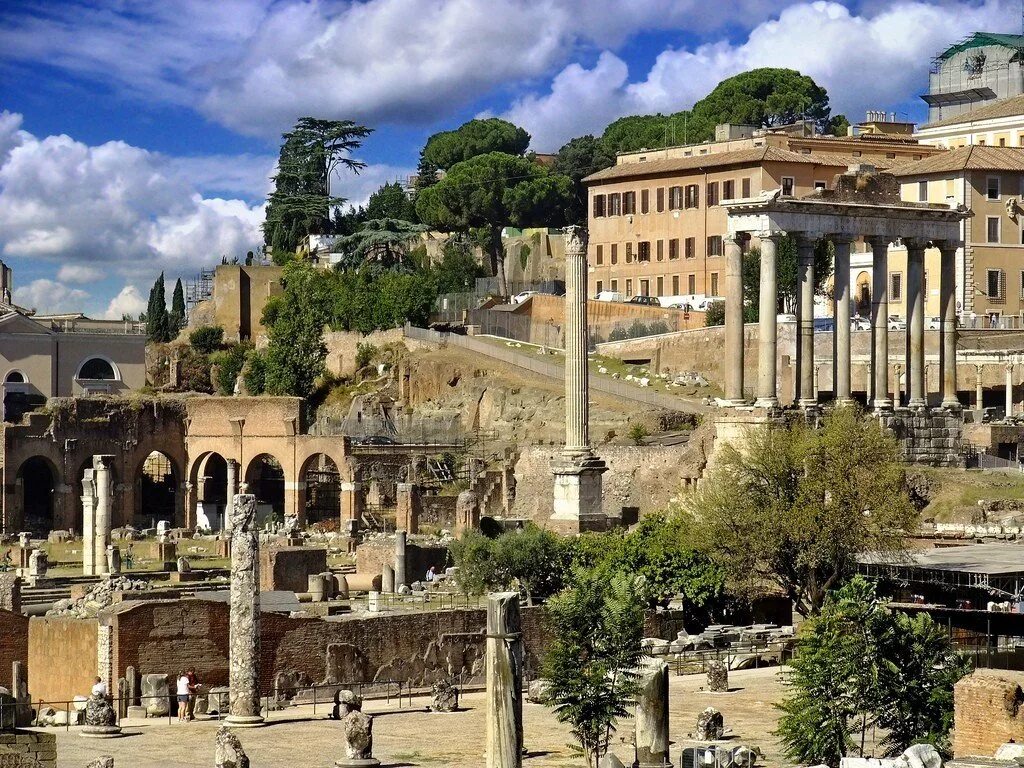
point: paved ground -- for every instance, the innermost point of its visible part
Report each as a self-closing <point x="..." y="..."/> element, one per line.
<point x="413" y="737"/>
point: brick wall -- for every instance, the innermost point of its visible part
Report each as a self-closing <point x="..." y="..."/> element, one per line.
<point x="62" y="656"/>
<point x="371" y="557"/>
<point x="13" y="643"/>
<point x="288" y="568"/>
<point x="988" y="710"/>
<point x="31" y="745"/>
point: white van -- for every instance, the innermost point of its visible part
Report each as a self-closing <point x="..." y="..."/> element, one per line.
<point x="609" y="296"/>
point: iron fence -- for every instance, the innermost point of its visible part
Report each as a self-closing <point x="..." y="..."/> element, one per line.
<point x="760" y="654"/>
<point x="435" y="601"/>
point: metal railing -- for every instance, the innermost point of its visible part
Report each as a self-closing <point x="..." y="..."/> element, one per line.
<point x="777" y="653"/>
<point x="436" y="601"/>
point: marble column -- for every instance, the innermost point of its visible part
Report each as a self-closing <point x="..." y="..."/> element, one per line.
<point x="400" y="575"/>
<point x="733" y="321"/>
<point x="244" y="629"/>
<point x="917" y="395"/>
<point x="232" y="489"/>
<point x="880" y="399"/>
<point x="979" y="386"/>
<point x="101" y="522"/>
<point x="651" y="734"/>
<point x="190" y="505"/>
<point x="805" y="322"/>
<point x="841" y="384"/>
<point x="88" y="522"/>
<point x="948" y="332"/>
<point x="767" y="324"/>
<point x="504" y="674"/>
<point x="577" y="378"/>
<point x="1009" y="388"/>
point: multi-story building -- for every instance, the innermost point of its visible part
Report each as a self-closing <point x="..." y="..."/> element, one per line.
<point x="656" y="226"/>
<point x="974" y="72"/>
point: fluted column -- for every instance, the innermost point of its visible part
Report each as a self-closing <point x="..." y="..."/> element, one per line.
<point x="947" y="343"/>
<point x="841" y="312"/>
<point x="733" y="321"/>
<point x="244" y="626"/>
<point x="880" y="399"/>
<point x="101" y="467"/>
<point x="767" y="333"/>
<point x="917" y="396"/>
<point x="577" y="385"/>
<point x="805" y="321"/>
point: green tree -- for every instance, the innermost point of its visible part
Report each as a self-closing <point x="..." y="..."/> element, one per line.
<point x="158" y="326"/>
<point x="635" y="132"/>
<point x="714" y="314"/>
<point x="229" y="364"/>
<point x="593" y="658"/>
<point x="426" y="173"/>
<point x="207" y="338"/>
<point x="391" y="202"/>
<point x="786" y="275"/>
<point x="794" y="505"/>
<point x="458" y="268"/>
<point x="577" y="159"/>
<point x="473" y="554"/>
<point x="176" y="320"/>
<point x="382" y="243"/>
<point x="476" y="137"/>
<point x="532" y="560"/>
<point x="194" y="369"/>
<point x="254" y="373"/>
<point x="490" y="192"/>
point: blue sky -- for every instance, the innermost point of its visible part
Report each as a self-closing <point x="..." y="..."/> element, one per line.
<point x="138" y="135"/>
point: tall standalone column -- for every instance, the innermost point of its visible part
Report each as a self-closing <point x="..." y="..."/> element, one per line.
<point x="767" y="326"/>
<point x="805" y="322"/>
<point x="880" y="399"/>
<point x="841" y="313"/>
<point x="948" y="332"/>
<point x="89" y="522"/>
<point x="504" y="661"/>
<point x="101" y="522"/>
<point x="979" y="386"/>
<point x="651" y="735"/>
<point x="733" y="321"/>
<point x="232" y="490"/>
<point x="244" y="629"/>
<point x="400" y="575"/>
<point x="915" y="324"/>
<point x="1009" y="388"/>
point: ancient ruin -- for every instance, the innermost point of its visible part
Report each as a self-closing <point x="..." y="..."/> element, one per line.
<point x="245" y="615"/>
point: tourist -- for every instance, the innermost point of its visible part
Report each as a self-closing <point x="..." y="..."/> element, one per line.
<point x="129" y="557"/>
<point x="5" y="564"/>
<point x="99" y="688"/>
<point x="184" y="693"/>
<point x="431" y="574"/>
<point x="190" y="673"/>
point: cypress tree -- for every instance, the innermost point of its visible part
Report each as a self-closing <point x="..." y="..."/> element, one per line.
<point x="177" y="316"/>
<point x="158" y="328"/>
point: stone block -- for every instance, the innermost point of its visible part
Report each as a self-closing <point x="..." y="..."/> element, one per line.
<point x="156" y="695"/>
<point x="289" y="568"/>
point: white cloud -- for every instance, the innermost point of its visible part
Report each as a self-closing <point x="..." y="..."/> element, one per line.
<point x="112" y="208"/>
<point x="248" y="176"/>
<point x="866" y="62"/>
<point x="79" y="273"/>
<point x="127" y="302"/>
<point x="49" y="296"/>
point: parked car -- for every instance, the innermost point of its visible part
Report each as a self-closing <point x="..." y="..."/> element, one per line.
<point x="858" y="323"/>
<point x="897" y="323"/>
<point x="647" y="301"/>
<point x="519" y="298"/>
<point x="376" y="440"/>
<point x="609" y="296"/>
<point x="824" y="324"/>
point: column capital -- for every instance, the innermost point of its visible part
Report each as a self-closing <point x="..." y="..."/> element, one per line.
<point x="878" y="241"/>
<point x="914" y="243"/>
<point x="768" y="235"/>
<point x="806" y="239"/>
<point x="576" y="238"/>
<point x="836" y="239"/>
<point x="947" y="246"/>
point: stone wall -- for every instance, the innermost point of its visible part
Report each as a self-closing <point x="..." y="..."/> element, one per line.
<point x="13" y="643"/>
<point x="927" y="438"/>
<point x="31" y="746"/>
<point x="438" y="510"/>
<point x="342" y="345"/>
<point x="62" y="656"/>
<point x="988" y="710"/>
<point x="10" y="591"/>
<point x="288" y="568"/>
<point x="371" y="556"/>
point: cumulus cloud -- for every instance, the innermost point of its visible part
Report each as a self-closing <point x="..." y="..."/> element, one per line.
<point x="79" y="273"/>
<point x="49" y="296"/>
<point x="128" y="301"/>
<point x="865" y="61"/>
<point x="112" y="208"/>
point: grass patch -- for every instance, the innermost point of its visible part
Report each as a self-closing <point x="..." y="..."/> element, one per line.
<point x="955" y="492"/>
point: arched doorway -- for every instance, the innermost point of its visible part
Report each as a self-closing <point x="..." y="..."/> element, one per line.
<point x="265" y="479"/>
<point x="38" y="481"/>
<point x="157" y="490"/>
<point x="210" y="483"/>
<point x="323" y="489"/>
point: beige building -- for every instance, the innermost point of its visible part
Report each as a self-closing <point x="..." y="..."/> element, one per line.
<point x="656" y="221"/>
<point x="996" y="124"/>
<point x="239" y="294"/>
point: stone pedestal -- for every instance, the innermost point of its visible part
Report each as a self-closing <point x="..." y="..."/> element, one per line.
<point x="718" y="677"/>
<point x="578" y="495"/>
<point x="244" y="632"/>
<point x="113" y="560"/>
<point x="652" y="742"/>
<point x="387" y="579"/>
<point x="358" y="730"/>
<point x="504" y="673"/>
<point x="710" y="725"/>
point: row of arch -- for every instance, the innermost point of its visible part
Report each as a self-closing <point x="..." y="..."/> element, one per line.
<point x="160" y="489"/>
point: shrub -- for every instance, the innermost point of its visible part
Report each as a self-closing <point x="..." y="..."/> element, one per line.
<point x="229" y="365"/>
<point x="207" y="338"/>
<point x="365" y="352"/>
<point x="194" y="369"/>
<point x="638" y="432"/>
<point x="255" y="375"/>
<point x="715" y="314"/>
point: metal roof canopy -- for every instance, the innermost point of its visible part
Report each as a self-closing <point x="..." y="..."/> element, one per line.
<point x="958" y="97"/>
<point x="995" y="568"/>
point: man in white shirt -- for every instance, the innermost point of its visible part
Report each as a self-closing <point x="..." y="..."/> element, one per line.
<point x="99" y="688"/>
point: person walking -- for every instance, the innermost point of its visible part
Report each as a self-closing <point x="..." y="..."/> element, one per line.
<point x="184" y="692"/>
<point x="129" y="557"/>
<point x="190" y="673"/>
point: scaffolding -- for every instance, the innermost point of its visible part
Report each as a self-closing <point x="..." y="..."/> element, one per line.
<point x="199" y="288"/>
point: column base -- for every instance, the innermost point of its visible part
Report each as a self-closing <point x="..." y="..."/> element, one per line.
<point x="101" y="732"/>
<point x="357" y="762"/>
<point x="238" y="721"/>
<point x="881" y="404"/>
<point x="733" y="402"/>
<point x="769" y="403"/>
<point x="807" y="402"/>
<point x="578" y="496"/>
<point x="952" y="405"/>
<point x="845" y="402"/>
<point x="917" y="404"/>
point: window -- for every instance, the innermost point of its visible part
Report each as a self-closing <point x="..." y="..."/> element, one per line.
<point x="890" y="155"/>
<point x="599" y="254"/>
<point x="691" y="284"/>
<point x="1002" y="142"/>
<point x="96" y="369"/>
<point x="745" y="188"/>
<point x="615" y="204"/>
<point x="643" y="251"/>
<point x="857" y="153"/>
<point x="615" y="285"/>
<point x="629" y="288"/>
<point x="992" y="229"/>
<point x="661" y="287"/>
<point x="690" y="247"/>
<point x="629" y="253"/>
<point x="692" y="196"/>
<point x="645" y="287"/>
<point x="922" y="191"/>
<point x="15" y="377"/>
<point x="996" y="282"/>
<point x="714" y="283"/>
<point x="729" y="190"/>
<point x="645" y="201"/>
<point x="675" y="285"/>
<point x="629" y="203"/>
<point x="820" y="185"/>
<point x="895" y="286"/>
<point x="661" y="250"/>
<point x="599" y="210"/>
<point x="600" y="287"/>
<point x="787" y="185"/>
<point x="1022" y="284"/>
<point x="992" y="188"/>
<point x="675" y="198"/>
<point x="673" y="248"/>
<point x="712" y="192"/>
<point x="661" y="199"/>
<point x="715" y="245"/>
<point x="615" y="253"/>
